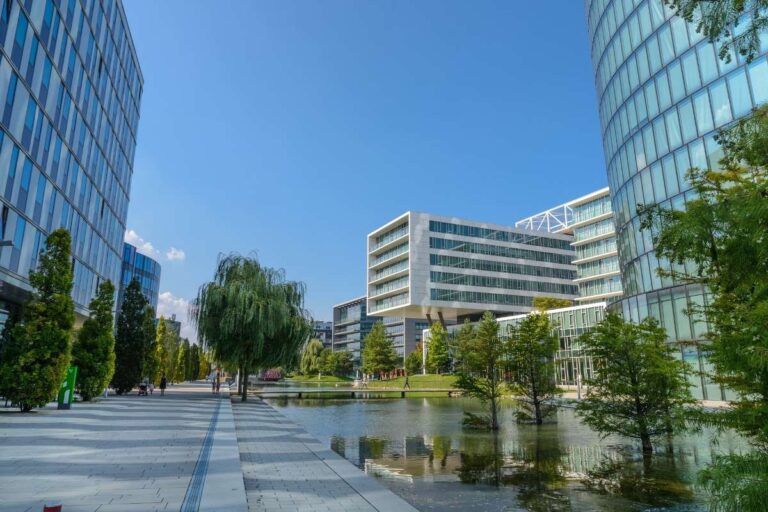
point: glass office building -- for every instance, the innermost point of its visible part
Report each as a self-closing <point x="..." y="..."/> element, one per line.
<point x="446" y="269"/>
<point x="662" y="94"/>
<point x="70" y="89"/>
<point x="143" y="268"/>
<point x="351" y="325"/>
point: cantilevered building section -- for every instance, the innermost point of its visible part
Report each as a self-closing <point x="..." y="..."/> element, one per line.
<point x="589" y="219"/>
<point x="444" y="268"/>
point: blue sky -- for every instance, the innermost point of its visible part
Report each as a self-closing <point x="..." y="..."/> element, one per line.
<point x="294" y="128"/>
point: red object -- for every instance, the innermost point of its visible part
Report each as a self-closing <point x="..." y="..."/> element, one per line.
<point x="52" y="507"/>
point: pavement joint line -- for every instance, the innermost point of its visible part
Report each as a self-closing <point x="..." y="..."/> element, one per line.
<point x="194" y="492"/>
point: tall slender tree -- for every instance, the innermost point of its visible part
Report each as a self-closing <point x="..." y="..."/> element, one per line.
<point x="532" y="345"/>
<point x="251" y="316"/>
<point x="35" y="357"/>
<point x="639" y="389"/>
<point x="480" y="372"/>
<point x="130" y="339"/>
<point x="94" y="350"/>
<point x="310" y="357"/>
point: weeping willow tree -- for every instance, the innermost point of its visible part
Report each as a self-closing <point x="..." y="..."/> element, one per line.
<point x="250" y="317"/>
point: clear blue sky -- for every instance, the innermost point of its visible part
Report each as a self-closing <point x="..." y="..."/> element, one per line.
<point x="293" y="128"/>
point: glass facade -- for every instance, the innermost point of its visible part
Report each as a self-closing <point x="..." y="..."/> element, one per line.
<point x="351" y="325"/>
<point x="571" y="364"/>
<point x="70" y="90"/>
<point x="662" y="94"/>
<point x="141" y="267"/>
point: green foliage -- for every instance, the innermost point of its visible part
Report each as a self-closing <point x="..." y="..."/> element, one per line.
<point x="438" y="360"/>
<point x="193" y="368"/>
<point x="250" y="316"/>
<point x="131" y="339"/>
<point x="94" y="350"/>
<point x="639" y="389"/>
<point x="310" y="357"/>
<point x="736" y="25"/>
<point x="341" y="363"/>
<point x="476" y="422"/>
<point x="737" y="482"/>
<point x="461" y="344"/>
<point x="720" y="238"/>
<point x="547" y="303"/>
<point x="205" y="365"/>
<point x="413" y="360"/>
<point x="481" y="365"/>
<point x="378" y="355"/>
<point x="151" y="363"/>
<point x="532" y="345"/>
<point x="36" y="354"/>
<point x="182" y="361"/>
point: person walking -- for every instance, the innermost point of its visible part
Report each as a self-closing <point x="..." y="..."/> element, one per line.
<point x="163" y="385"/>
<point x="407" y="384"/>
<point x="151" y="388"/>
<point x="218" y="382"/>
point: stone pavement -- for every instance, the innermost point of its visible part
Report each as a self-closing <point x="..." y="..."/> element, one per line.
<point x="285" y="469"/>
<point x="124" y="453"/>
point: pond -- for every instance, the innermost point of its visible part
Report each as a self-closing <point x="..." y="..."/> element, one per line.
<point x="417" y="448"/>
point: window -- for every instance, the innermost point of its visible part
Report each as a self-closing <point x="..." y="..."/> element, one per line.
<point x="737" y="83"/>
<point x="758" y="77"/>
<point x="720" y="105"/>
<point x="703" y="113"/>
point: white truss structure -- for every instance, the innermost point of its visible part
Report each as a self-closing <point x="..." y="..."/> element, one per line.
<point x="553" y="220"/>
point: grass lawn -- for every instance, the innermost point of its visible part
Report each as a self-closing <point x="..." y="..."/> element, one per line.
<point x="315" y="378"/>
<point x="416" y="382"/>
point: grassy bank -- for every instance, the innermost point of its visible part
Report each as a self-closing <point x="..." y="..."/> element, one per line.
<point x="315" y="378"/>
<point x="417" y="382"/>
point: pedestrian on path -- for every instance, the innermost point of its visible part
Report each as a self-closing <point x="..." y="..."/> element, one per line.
<point x="407" y="384"/>
<point x="163" y="385"/>
<point x="218" y="382"/>
<point x="151" y="388"/>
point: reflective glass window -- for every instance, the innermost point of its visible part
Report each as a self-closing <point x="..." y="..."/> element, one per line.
<point x="676" y="81"/>
<point x="673" y="129"/>
<point x="687" y="121"/>
<point x="691" y="72"/>
<point x="721" y="107"/>
<point x="707" y="62"/>
<point x="739" y="92"/>
<point x="703" y="112"/>
<point x="758" y="77"/>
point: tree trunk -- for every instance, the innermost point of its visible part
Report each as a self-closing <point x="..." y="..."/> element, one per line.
<point x="245" y="384"/>
<point x="537" y="412"/>
<point x="241" y="380"/>
<point x="645" y="439"/>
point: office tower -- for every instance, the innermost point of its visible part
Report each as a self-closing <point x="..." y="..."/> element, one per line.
<point x="141" y="267"/>
<point x="71" y="85"/>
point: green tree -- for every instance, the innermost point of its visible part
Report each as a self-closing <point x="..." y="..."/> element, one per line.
<point x="325" y="363"/>
<point x="437" y="349"/>
<point x="413" y="360"/>
<point x="205" y="365"/>
<point x="162" y="354"/>
<point x="94" y="349"/>
<point x="342" y="363"/>
<point x="639" y="389"/>
<point x="182" y="361"/>
<point x="310" y="357"/>
<point x="150" y="364"/>
<point x="250" y="316"/>
<point x="193" y="371"/>
<point x="378" y="355"/>
<point x="479" y="375"/>
<point x="130" y="339"/>
<point x="735" y="25"/>
<point x="532" y="345"/>
<point x="719" y="243"/>
<point x="461" y="344"/>
<point x="35" y="357"/>
<point x="547" y="303"/>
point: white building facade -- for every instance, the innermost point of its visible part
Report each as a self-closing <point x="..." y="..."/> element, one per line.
<point x="427" y="266"/>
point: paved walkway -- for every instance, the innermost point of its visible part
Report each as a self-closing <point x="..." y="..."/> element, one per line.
<point x="285" y="469"/>
<point x="124" y="453"/>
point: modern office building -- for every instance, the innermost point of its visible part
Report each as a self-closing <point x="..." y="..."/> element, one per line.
<point x="404" y="333"/>
<point x="572" y="366"/>
<point x="590" y="220"/>
<point x="143" y="268"/>
<point x="323" y="331"/>
<point x="351" y="325"/>
<point x="445" y="269"/>
<point x="71" y="85"/>
<point x="662" y="94"/>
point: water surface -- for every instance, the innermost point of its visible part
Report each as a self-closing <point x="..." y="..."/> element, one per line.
<point x="417" y="448"/>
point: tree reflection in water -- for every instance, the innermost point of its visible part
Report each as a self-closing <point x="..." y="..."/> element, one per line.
<point x="654" y="480"/>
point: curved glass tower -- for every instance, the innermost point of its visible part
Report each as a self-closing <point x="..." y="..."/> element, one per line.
<point x="662" y="94"/>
